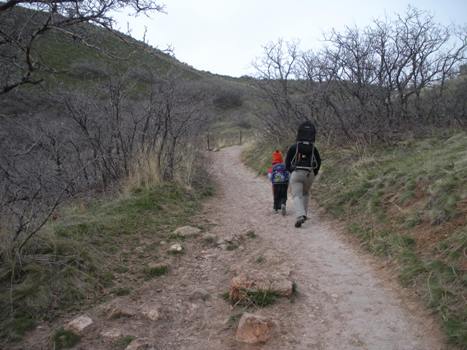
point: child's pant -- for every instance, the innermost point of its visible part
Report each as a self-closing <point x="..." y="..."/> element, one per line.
<point x="279" y="192"/>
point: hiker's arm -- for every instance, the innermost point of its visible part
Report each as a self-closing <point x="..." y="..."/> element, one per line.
<point x="318" y="161"/>
<point x="289" y="157"/>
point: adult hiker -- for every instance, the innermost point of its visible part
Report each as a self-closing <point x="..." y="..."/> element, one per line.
<point x="303" y="162"/>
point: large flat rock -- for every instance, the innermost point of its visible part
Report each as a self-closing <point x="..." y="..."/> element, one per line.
<point x="257" y="281"/>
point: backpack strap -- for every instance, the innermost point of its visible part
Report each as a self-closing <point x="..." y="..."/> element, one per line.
<point x="313" y="163"/>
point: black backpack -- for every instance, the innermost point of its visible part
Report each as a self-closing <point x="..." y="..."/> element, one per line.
<point x="304" y="153"/>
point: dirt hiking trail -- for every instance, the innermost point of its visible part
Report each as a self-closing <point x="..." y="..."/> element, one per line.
<point x="344" y="300"/>
<point x="342" y="303"/>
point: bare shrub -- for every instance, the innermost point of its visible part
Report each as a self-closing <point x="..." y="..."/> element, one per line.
<point x="228" y="99"/>
<point x="372" y="83"/>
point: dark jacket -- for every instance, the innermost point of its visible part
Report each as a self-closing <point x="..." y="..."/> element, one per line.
<point x="291" y="153"/>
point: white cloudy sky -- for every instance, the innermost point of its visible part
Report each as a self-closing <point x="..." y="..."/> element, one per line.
<point x="224" y="36"/>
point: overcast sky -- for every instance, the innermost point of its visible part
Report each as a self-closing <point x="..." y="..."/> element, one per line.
<point x="224" y="37"/>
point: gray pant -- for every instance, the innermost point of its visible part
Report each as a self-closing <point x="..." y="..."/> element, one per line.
<point x="300" y="183"/>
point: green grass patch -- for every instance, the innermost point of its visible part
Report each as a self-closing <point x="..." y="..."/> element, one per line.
<point x="121" y="269"/>
<point x="176" y="237"/>
<point x="72" y="261"/>
<point x="123" y="342"/>
<point x="253" y="298"/>
<point x="121" y="291"/>
<point x="234" y="319"/>
<point x="251" y="234"/>
<point x="258" y="298"/>
<point x="260" y="259"/>
<point x="151" y="272"/>
<point x="18" y="325"/>
<point x="412" y="220"/>
<point x="225" y="296"/>
<point x="63" y="339"/>
<point x="294" y="288"/>
<point x="231" y="246"/>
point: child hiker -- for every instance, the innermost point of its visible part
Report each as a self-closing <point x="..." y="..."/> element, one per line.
<point x="279" y="176"/>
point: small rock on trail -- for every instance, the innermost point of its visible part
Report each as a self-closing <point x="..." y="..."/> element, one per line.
<point x="113" y="333"/>
<point x="176" y="248"/>
<point x="79" y="324"/>
<point x="118" y="309"/>
<point x="151" y="311"/>
<point x="187" y="231"/>
<point x="254" y="329"/>
<point x="199" y="294"/>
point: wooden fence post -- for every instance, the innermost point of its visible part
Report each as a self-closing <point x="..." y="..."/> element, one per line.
<point x="209" y="146"/>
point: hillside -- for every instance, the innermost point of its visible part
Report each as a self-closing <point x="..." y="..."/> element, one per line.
<point x="86" y="57"/>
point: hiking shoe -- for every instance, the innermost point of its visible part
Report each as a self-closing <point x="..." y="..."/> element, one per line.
<point x="300" y="221"/>
<point x="283" y="210"/>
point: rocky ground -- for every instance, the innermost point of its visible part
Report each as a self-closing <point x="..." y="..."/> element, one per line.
<point x="325" y="294"/>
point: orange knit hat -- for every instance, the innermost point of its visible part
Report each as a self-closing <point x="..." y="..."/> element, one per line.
<point x="277" y="157"/>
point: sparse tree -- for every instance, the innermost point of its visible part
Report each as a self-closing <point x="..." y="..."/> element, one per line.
<point x="276" y="74"/>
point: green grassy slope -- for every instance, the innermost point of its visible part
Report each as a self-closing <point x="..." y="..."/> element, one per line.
<point x="114" y="55"/>
<point x="115" y="52"/>
<point x="408" y="204"/>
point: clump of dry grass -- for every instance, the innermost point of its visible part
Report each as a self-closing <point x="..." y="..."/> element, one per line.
<point x="144" y="172"/>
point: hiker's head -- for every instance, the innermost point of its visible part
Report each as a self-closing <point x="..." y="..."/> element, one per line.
<point x="277" y="157"/>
